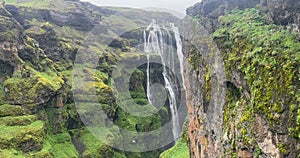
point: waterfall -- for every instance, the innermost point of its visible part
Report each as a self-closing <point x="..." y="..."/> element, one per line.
<point x="179" y="51"/>
<point x="148" y="70"/>
<point x="160" y="41"/>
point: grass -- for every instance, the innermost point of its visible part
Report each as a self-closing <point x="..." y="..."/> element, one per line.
<point x="138" y="123"/>
<point x="45" y="152"/>
<point x="18" y="120"/>
<point x="180" y="150"/>
<point x="33" y="3"/>
<point x="120" y="23"/>
<point x="95" y="145"/>
<point x="62" y="146"/>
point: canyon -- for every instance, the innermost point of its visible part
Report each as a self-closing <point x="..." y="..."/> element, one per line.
<point x="221" y="82"/>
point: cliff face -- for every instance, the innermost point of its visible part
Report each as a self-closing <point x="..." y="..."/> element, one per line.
<point x="259" y="45"/>
<point x="279" y="12"/>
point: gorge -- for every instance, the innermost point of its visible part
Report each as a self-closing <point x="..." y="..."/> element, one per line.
<point x="79" y="80"/>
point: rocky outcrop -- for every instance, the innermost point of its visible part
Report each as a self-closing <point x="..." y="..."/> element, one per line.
<point x="259" y="117"/>
<point x="279" y="12"/>
<point x="205" y="93"/>
<point x="210" y="10"/>
<point x="282" y="12"/>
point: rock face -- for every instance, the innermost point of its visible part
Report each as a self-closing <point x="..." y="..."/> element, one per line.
<point x="204" y="101"/>
<point x="210" y="11"/>
<point x="258" y="118"/>
<point x="280" y="12"/>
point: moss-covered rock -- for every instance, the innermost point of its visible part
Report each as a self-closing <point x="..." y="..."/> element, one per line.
<point x="266" y="58"/>
<point x="12" y="110"/>
<point x="25" y="138"/>
<point x="62" y="145"/>
<point x="98" y="148"/>
<point x="11" y="153"/>
<point x="17" y="120"/>
<point x="138" y="124"/>
<point x="37" y="89"/>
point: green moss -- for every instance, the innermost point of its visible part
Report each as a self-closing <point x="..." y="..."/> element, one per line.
<point x="25" y="138"/>
<point x="237" y="104"/>
<point x="57" y="120"/>
<point x="246" y="136"/>
<point x="50" y="79"/>
<point x="131" y="56"/>
<point x="62" y="145"/>
<point x="10" y="35"/>
<point x="138" y="94"/>
<point x="283" y="148"/>
<point x="12" y="110"/>
<point x="208" y="85"/>
<point x="45" y="152"/>
<point x="68" y="34"/>
<point x="232" y="104"/>
<point x="94" y="147"/>
<point x="136" y="81"/>
<point x="67" y="37"/>
<point x="139" y="124"/>
<point x="94" y="80"/>
<point x="18" y="120"/>
<point x="180" y="150"/>
<point x="268" y="58"/>
<point x="11" y="153"/>
<point x="197" y="62"/>
<point x="257" y="151"/>
<point x="297" y="129"/>
<point x="31" y="89"/>
<point x="2" y="94"/>
<point x="33" y="3"/>
<point x="35" y="31"/>
<point x="122" y="23"/>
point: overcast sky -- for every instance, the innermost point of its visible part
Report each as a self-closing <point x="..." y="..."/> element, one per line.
<point x="176" y="5"/>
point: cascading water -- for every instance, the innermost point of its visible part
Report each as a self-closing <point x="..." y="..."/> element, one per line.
<point x="155" y="42"/>
<point x="179" y="51"/>
<point x="146" y="49"/>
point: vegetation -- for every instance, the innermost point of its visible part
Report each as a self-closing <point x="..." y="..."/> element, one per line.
<point x="38" y="117"/>
<point x="28" y="90"/>
<point x="12" y="110"/>
<point x="268" y="58"/>
<point x="62" y="145"/>
<point x="24" y="138"/>
<point x="180" y="150"/>
<point x="33" y="3"/>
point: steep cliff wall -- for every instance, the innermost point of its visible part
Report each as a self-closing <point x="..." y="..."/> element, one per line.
<point x="279" y="12"/>
<point x="260" y="50"/>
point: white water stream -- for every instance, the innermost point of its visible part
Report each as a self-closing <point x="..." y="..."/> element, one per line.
<point x="155" y="42"/>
